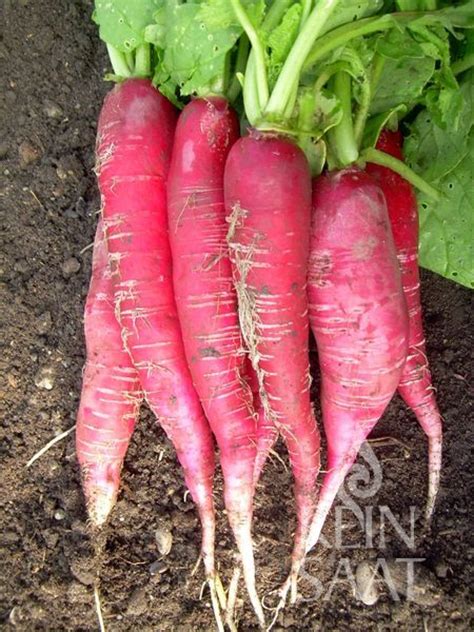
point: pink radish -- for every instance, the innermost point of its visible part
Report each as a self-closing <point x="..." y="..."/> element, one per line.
<point x="111" y="394"/>
<point x="135" y="138"/>
<point x="207" y="305"/>
<point x="268" y="199"/>
<point x="415" y="384"/>
<point x="358" y="316"/>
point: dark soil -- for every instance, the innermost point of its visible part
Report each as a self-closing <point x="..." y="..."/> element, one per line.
<point x="52" y="66"/>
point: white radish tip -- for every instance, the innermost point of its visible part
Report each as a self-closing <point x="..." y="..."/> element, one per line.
<point x="100" y="484"/>
<point x="100" y="505"/>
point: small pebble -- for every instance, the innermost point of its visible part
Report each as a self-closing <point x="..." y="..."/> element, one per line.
<point x="59" y="514"/>
<point x="43" y="323"/>
<point x="61" y="173"/>
<point x="70" y="213"/>
<point x="83" y="571"/>
<point x="21" y="266"/>
<point x="78" y="593"/>
<point x="423" y="592"/>
<point x="70" y="266"/>
<point x="50" y="537"/>
<point x="15" y="617"/>
<point x="45" y="378"/>
<point x="367" y="590"/>
<point x="137" y="604"/>
<point x="12" y="381"/>
<point x="3" y="150"/>
<point x="52" y="110"/>
<point x="158" y="568"/>
<point x="29" y="153"/>
<point x="441" y="569"/>
<point x="164" y="540"/>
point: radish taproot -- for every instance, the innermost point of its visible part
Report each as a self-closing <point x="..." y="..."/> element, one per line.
<point x="358" y="317"/>
<point x="267" y="183"/>
<point x="111" y="393"/>
<point x="268" y="195"/>
<point x="415" y="385"/>
<point x="135" y="136"/>
<point x="207" y="305"/>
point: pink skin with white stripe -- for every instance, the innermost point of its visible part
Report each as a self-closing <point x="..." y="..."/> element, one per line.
<point x="207" y="305"/>
<point x="267" y="434"/>
<point x="268" y="200"/>
<point x="358" y="316"/>
<point x="111" y="394"/>
<point x="135" y="136"/>
<point x="415" y="384"/>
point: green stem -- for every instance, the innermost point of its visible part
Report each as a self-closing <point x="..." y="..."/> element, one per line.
<point x="251" y="103"/>
<point x="130" y="59"/>
<point x="315" y="151"/>
<point x="294" y="62"/>
<point x="307" y="106"/>
<point x="347" y="32"/>
<point x="343" y="34"/>
<point x="226" y="73"/>
<point x="368" y="91"/>
<point x="385" y="160"/>
<point x="377" y="67"/>
<point x="290" y="106"/>
<point x="362" y="111"/>
<point x="275" y="14"/>
<point x="216" y="88"/>
<point x="306" y="6"/>
<point x="271" y="21"/>
<point x="326" y="74"/>
<point x="431" y="5"/>
<point x="461" y="65"/>
<point x="240" y="62"/>
<point x="260" y="68"/>
<point x="142" y="61"/>
<point x="118" y="61"/>
<point x="344" y="142"/>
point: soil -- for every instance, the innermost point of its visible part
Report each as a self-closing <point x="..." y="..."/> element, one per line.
<point x="52" y="88"/>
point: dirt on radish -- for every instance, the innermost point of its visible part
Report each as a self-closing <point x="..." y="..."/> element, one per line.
<point x="50" y="105"/>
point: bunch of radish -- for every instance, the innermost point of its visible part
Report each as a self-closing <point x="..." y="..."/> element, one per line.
<point x="216" y="254"/>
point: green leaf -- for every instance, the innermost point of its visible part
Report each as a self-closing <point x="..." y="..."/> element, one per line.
<point x="281" y="40"/>
<point x="445" y="158"/>
<point x="122" y="23"/>
<point x="442" y="98"/>
<point x="328" y="113"/>
<point x="156" y="33"/>
<point x="282" y="37"/>
<point x="399" y="44"/>
<point x="377" y="123"/>
<point x="316" y="153"/>
<point x="350" y="11"/>
<point x="195" y="54"/>
<point x="447" y="226"/>
<point x="460" y="16"/>
<point x="402" y="82"/>
<point x="445" y="106"/>
<point x="434" y="152"/>
<point x="411" y="5"/>
<point x="219" y="14"/>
